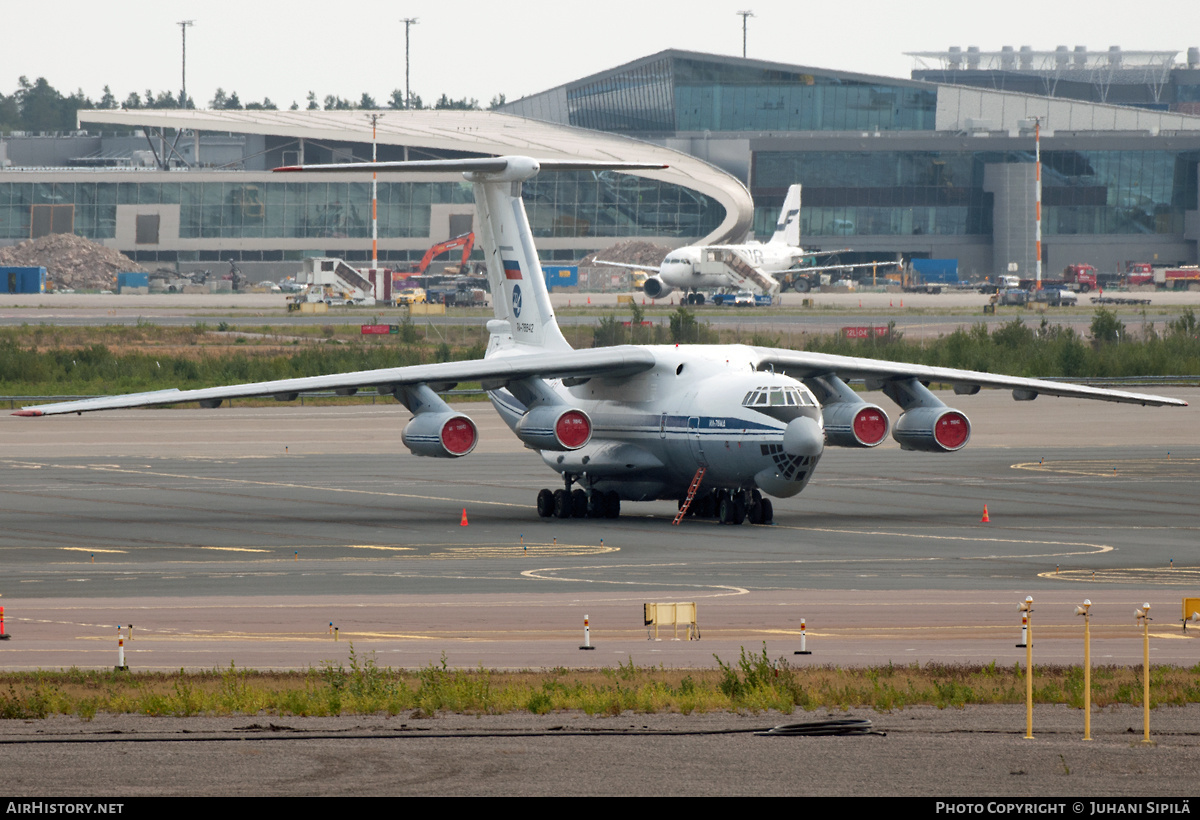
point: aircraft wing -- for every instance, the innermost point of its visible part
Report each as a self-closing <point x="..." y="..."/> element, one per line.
<point x="891" y="263"/>
<point x="654" y="268"/>
<point x="800" y="364"/>
<point x="495" y="371"/>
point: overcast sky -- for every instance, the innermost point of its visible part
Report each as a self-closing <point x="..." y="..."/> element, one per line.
<point x="480" y="48"/>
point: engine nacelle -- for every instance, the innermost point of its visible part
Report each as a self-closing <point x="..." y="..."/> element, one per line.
<point x="932" y="429"/>
<point x="440" y="435"/>
<point x="849" y="424"/>
<point x="656" y="288"/>
<point x="555" y="427"/>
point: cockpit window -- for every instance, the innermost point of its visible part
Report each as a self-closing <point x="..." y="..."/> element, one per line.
<point x="778" y="397"/>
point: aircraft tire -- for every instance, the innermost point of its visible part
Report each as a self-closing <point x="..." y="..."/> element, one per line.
<point x="612" y="504"/>
<point x="726" y="508"/>
<point x="545" y="503"/>
<point x="699" y="298"/>
<point x="579" y="504"/>
<point x="755" y="512"/>
<point x="739" y="512"/>
<point x="562" y="504"/>
<point x="801" y="286"/>
<point x="768" y="512"/>
<point x="597" y="505"/>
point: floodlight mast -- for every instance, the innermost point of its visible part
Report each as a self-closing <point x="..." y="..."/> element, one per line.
<point x="183" y="27"/>
<point x="745" y="15"/>
<point x="408" y="22"/>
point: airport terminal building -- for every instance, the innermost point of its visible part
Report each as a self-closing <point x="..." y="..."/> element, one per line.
<point x="888" y="165"/>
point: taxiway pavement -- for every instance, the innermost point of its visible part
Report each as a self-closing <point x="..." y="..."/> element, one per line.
<point x="241" y="534"/>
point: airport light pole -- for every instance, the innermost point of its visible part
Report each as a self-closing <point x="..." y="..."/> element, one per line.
<point x="374" y="197"/>
<point x="183" y="27"/>
<point x="745" y="15"/>
<point x="408" y="22"/>
<point x="1037" y="197"/>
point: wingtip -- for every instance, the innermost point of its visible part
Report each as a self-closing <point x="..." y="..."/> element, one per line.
<point x="28" y="413"/>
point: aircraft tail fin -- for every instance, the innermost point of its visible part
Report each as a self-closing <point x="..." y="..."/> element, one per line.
<point x="519" y="294"/>
<point x="787" y="230"/>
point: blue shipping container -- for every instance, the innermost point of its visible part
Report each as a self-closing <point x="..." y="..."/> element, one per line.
<point x="563" y="276"/>
<point x="129" y="279"/>
<point x="937" y="271"/>
<point x="18" y="279"/>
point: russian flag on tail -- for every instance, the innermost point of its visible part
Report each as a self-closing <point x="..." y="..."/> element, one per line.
<point x="512" y="269"/>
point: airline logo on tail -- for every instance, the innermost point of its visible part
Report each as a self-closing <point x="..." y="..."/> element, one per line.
<point x="516" y="301"/>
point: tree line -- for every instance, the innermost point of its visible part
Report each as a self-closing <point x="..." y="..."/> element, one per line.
<point x="39" y="106"/>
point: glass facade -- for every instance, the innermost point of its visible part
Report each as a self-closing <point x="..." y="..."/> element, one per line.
<point x="893" y="193"/>
<point x="682" y="94"/>
<point x="584" y="203"/>
<point x="559" y="204"/>
<point x="1117" y="192"/>
<point x="883" y="193"/>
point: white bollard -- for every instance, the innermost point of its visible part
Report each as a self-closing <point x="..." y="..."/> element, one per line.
<point x="803" y="643"/>
<point x="121" y="667"/>
<point x="587" y="634"/>
<point x="1024" y="631"/>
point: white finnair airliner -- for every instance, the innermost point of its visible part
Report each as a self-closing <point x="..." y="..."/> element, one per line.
<point x="716" y="427"/>
<point x="752" y="266"/>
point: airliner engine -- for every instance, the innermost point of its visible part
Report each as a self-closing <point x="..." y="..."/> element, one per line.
<point x="440" y="435"/>
<point x="854" y="424"/>
<point x="932" y="429"/>
<point x="656" y="288"/>
<point x="555" y="427"/>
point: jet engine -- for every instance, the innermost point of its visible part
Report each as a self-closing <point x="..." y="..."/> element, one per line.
<point x="932" y="429"/>
<point x="656" y="288"/>
<point x="554" y="427"/>
<point x="440" y="435"/>
<point x="854" y="424"/>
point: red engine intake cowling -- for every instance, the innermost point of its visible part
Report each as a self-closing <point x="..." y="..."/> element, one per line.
<point x="555" y="428"/>
<point x="854" y="424"/>
<point x="933" y="429"/>
<point x="440" y="435"/>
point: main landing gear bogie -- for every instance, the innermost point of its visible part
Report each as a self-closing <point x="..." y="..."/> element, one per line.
<point x="733" y="507"/>
<point x="578" y="503"/>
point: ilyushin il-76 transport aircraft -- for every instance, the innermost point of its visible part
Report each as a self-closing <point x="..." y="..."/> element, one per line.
<point x="716" y="427"/>
<point x="752" y="266"/>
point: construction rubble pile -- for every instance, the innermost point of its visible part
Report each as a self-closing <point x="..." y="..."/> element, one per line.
<point x="633" y="252"/>
<point x="71" y="261"/>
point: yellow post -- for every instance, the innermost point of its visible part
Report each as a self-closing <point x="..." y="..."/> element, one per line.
<point x="1027" y="608"/>
<point x="1087" y="667"/>
<point x="1143" y="615"/>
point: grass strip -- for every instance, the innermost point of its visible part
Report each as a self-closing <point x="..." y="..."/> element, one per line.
<point x="753" y="683"/>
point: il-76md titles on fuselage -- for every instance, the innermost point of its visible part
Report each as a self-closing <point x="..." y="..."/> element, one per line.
<point x="725" y="425"/>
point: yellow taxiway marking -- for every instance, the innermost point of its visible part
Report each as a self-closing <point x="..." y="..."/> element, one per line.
<point x="537" y="574"/>
<point x="234" y="549"/>
<point x="1180" y="576"/>
<point x="315" y="637"/>
<point x="515" y="550"/>
<point x="91" y="549"/>
<point x="287" y="485"/>
<point x="1090" y="549"/>
<point x="1101" y="468"/>
<point x="379" y="547"/>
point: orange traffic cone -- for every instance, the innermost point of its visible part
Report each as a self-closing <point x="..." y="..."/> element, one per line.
<point x="463" y="523"/>
<point x="984" y="520"/>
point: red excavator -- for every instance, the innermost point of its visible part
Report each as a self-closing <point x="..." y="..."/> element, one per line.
<point x="465" y="241"/>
